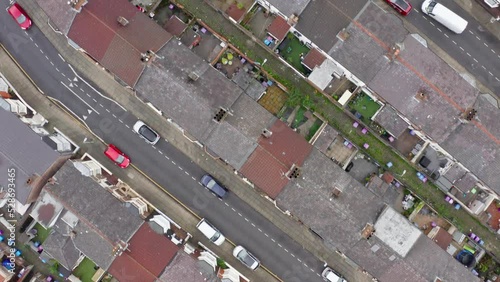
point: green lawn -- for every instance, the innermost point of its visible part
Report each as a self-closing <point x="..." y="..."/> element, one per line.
<point x="299" y="117"/>
<point x="336" y="117"/>
<point x="292" y="51"/>
<point x="314" y="128"/>
<point x="85" y="270"/>
<point x="364" y="105"/>
<point x="41" y="234"/>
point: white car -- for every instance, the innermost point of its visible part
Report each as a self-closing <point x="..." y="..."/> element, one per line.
<point x="246" y="257"/>
<point x="331" y="276"/>
<point x="146" y="132"/>
<point x="212" y="233"/>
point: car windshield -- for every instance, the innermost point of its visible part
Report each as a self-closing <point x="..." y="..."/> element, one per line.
<point x="120" y="159"/>
<point x="147" y="133"/>
<point x="21" y="19"/>
<point x="211" y="184"/>
<point x="245" y="257"/>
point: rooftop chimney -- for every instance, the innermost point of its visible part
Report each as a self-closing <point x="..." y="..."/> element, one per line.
<point x="294" y="172"/>
<point x="220" y="115"/>
<point x="122" y="21"/>
<point x="266" y="133"/>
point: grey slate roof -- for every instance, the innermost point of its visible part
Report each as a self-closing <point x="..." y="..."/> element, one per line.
<point x="289" y="7"/>
<point x="62" y="248"/>
<point x="191" y="104"/>
<point x="388" y="118"/>
<point x="339" y="221"/>
<point x="89" y="201"/>
<point x="23" y="150"/>
<point x="60" y="13"/>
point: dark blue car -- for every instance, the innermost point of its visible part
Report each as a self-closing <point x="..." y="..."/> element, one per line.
<point x="209" y="182"/>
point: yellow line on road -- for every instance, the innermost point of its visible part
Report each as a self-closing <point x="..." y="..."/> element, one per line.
<point x="19" y="66"/>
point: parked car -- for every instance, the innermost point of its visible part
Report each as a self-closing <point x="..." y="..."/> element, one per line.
<point x="331" y="275"/>
<point x="246" y="257"/>
<point x="20" y="16"/>
<point x="402" y="6"/>
<point x="445" y="16"/>
<point x="146" y="132"/>
<point x="209" y="182"/>
<point x="117" y="156"/>
<point x="212" y="233"/>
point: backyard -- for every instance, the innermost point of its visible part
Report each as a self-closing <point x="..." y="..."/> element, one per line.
<point x="291" y="49"/>
<point x="378" y="150"/>
<point x="85" y="270"/>
<point x="41" y="233"/>
<point x="363" y="107"/>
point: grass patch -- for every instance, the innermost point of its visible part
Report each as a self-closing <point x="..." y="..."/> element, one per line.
<point x="364" y="105"/>
<point x="41" y="234"/>
<point x="314" y="128"/>
<point x="85" y="270"/>
<point x="291" y="49"/>
<point x="299" y="117"/>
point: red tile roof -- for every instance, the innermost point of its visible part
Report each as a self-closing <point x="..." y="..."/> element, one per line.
<point x="152" y="250"/>
<point x="313" y="58"/>
<point x="235" y="13"/>
<point x="265" y="172"/>
<point x="278" y="28"/>
<point x="125" y="268"/>
<point x="175" y="26"/>
<point x="272" y="159"/>
<point x="286" y="145"/>
<point x="97" y="31"/>
<point x="442" y="239"/>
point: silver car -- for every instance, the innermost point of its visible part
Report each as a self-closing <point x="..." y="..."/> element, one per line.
<point x="246" y="257"/>
<point x="146" y="132"/>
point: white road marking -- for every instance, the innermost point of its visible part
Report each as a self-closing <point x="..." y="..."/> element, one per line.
<point x="108" y="111"/>
<point x="51" y="63"/>
<point x="62" y="73"/>
<point x="470" y="31"/>
<point x="478" y="38"/>
<point x="416" y="11"/>
<point x="318" y="274"/>
<point x="161" y="153"/>
<point x="127" y="126"/>
<point x="121" y="121"/>
<point x="95" y="101"/>
<point x="292" y="255"/>
<point x="169" y="159"/>
<point x="475" y="60"/>
<point x="286" y="250"/>
<point x="461" y="48"/>
<point x="114" y="115"/>
<point x="493" y="51"/>
<point x="80" y="98"/>
<point x="483" y="67"/>
<point x="490" y="73"/>
<point x="497" y="78"/>
<point x="88" y="94"/>
<point x="266" y="234"/>
<point x="36" y="45"/>
<point x="240" y="214"/>
<point x="105" y="97"/>
<point x="312" y="270"/>
<point x="41" y="51"/>
<point x="305" y="265"/>
<point x="101" y="105"/>
<point x="47" y="57"/>
<point x="299" y="260"/>
<point x="259" y="229"/>
<point x="246" y="219"/>
<point x="187" y="173"/>
<point x="31" y="38"/>
<point x="224" y="202"/>
<point x="280" y="245"/>
<point x="180" y="168"/>
<point x="253" y="224"/>
<point x="424" y="17"/>
<point x="468" y="54"/>
<point x="439" y="29"/>
<point x="274" y="241"/>
<point x="233" y="209"/>
<point x="81" y="89"/>
<point x="454" y="42"/>
<point x="485" y="44"/>
<point x="58" y="70"/>
<point x="446" y="35"/>
<point x="432" y="23"/>
<point x="62" y="58"/>
<point x="174" y="163"/>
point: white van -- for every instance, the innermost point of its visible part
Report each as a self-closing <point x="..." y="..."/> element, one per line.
<point x="444" y="15"/>
<point x="331" y="276"/>
<point x="211" y="232"/>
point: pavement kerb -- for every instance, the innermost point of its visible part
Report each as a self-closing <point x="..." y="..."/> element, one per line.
<point x="299" y="233"/>
<point x="77" y="132"/>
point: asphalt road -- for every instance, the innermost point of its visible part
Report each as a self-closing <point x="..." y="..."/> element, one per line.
<point x="163" y="162"/>
<point x="476" y="49"/>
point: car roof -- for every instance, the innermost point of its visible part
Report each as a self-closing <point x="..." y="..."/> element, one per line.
<point x="111" y="151"/>
<point x="15" y="9"/>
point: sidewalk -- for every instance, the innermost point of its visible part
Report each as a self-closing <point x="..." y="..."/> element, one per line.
<point x="296" y="231"/>
<point x="476" y="10"/>
<point x="76" y="132"/>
